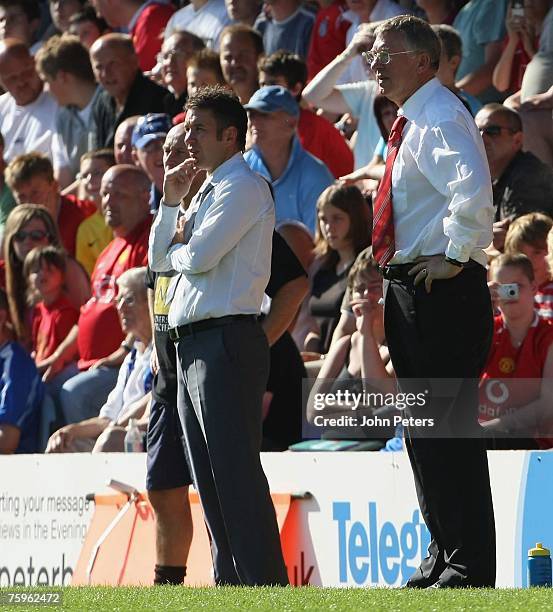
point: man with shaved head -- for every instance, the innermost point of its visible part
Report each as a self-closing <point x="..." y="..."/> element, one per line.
<point x="122" y="145"/>
<point x="125" y="195"/>
<point x="27" y="112"/>
<point x="126" y="92"/>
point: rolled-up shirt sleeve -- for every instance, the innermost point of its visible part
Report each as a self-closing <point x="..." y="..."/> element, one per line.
<point x="161" y="236"/>
<point x="446" y="160"/>
<point x="230" y="216"/>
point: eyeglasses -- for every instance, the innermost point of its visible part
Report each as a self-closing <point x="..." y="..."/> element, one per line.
<point x="382" y="56"/>
<point x="495" y="130"/>
<point x="34" y="235"/>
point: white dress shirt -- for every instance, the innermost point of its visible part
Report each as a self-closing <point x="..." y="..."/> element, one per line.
<point x="225" y="262"/>
<point x="441" y="185"/>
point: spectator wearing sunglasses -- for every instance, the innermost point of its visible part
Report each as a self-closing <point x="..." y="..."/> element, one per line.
<point x="29" y="226"/>
<point x="522" y="183"/>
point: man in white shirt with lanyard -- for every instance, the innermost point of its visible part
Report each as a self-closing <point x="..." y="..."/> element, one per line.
<point x="433" y="217"/>
<point x="222" y="252"/>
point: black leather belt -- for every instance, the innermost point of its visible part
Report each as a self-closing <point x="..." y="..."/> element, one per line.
<point x="399" y="272"/>
<point x="176" y="333"/>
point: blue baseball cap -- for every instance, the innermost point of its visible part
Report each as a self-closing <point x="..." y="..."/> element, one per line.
<point x="150" y="127"/>
<point x="273" y="98"/>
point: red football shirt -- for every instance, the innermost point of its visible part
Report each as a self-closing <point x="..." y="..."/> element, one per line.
<point x="147" y="33"/>
<point x="72" y="213"/>
<point x="328" y="37"/>
<point x="323" y="140"/>
<point x="99" y="329"/>
<point x="51" y="324"/>
<point x="499" y="393"/>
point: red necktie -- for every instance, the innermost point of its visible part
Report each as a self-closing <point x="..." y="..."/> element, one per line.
<point x="383" y="241"/>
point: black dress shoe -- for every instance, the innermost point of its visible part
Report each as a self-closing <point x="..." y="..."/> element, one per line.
<point x="422" y="583"/>
<point x="418" y="581"/>
<point x="453" y="583"/>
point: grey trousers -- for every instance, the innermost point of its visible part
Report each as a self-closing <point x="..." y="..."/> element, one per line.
<point x="222" y="375"/>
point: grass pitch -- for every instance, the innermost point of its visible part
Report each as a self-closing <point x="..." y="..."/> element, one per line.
<point x="125" y="599"/>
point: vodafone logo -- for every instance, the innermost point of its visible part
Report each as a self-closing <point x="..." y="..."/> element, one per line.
<point x="497" y="391"/>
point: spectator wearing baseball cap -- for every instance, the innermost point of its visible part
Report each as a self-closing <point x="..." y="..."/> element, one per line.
<point x="297" y="177"/>
<point x="317" y="135"/>
<point x="147" y="150"/>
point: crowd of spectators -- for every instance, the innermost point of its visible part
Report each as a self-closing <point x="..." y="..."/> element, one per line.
<point x="91" y="93"/>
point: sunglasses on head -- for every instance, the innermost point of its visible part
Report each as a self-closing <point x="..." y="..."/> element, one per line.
<point x="34" y="235"/>
<point x="495" y="130"/>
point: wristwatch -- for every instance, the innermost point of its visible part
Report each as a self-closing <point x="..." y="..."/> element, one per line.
<point x="454" y="262"/>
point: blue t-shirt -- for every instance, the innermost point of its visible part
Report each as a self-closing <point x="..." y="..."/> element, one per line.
<point x="21" y="395"/>
<point x="296" y="191"/>
<point x="292" y="34"/>
<point x="479" y="22"/>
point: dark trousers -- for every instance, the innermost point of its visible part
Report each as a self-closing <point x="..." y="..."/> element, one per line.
<point x="222" y="376"/>
<point x="446" y="334"/>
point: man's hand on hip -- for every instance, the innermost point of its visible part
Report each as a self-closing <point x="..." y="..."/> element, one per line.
<point x="432" y="268"/>
<point x="177" y="181"/>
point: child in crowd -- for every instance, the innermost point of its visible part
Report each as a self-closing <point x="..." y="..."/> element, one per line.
<point x="517" y="383"/>
<point x="93" y="234"/>
<point x="53" y="315"/>
<point x="528" y="235"/>
<point x="203" y="69"/>
<point x="362" y="358"/>
<point x="342" y="233"/>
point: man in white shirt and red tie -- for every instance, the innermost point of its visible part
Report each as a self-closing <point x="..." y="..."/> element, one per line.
<point x="433" y="217"/>
<point x="221" y="250"/>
